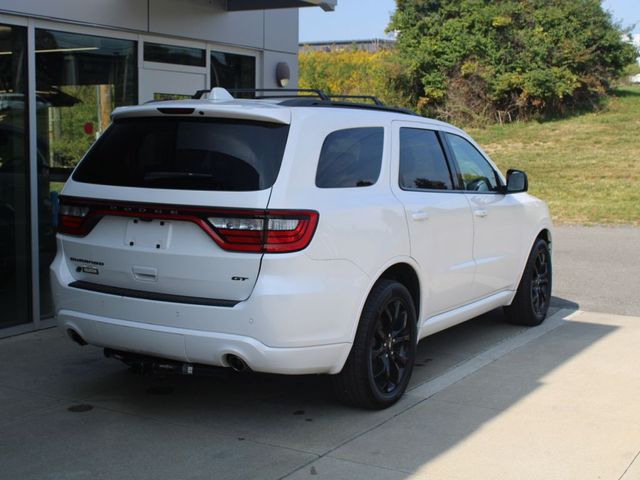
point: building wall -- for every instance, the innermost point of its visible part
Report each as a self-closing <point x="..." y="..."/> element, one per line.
<point x="128" y="14"/>
<point x="273" y="31"/>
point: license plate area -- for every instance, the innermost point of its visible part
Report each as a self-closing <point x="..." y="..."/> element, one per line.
<point x="154" y="234"/>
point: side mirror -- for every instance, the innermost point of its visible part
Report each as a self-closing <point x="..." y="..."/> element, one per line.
<point x="517" y="181"/>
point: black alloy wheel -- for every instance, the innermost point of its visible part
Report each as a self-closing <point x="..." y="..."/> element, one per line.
<point x="533" y="297"/>
<point x="541" y="282"/>
<point x="391" y="347"/>
<point x="379" y="366"/>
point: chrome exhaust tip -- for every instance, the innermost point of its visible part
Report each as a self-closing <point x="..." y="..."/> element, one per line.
<point x="75" y="336"/>
<point x="237" y="364"/>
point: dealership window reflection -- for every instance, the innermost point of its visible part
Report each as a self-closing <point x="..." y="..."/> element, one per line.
<point x="230" y="70"/>
<point x="14" y="185"/>
<point x="80" y="79"/>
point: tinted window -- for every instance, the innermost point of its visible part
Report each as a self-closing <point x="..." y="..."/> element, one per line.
<point x="186" y="154"/>
<point x="477" y="173"/>
<point x="350" y="158"/>
<point x="154" y="52"/>
<point x="422" y="162"/>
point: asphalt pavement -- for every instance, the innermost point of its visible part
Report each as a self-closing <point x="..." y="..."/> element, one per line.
<point x="598" y="268"/>
<point x="488" y="400"/>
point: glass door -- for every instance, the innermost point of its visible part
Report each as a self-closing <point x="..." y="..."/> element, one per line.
<point x="80" y="79"/>
<point x="15" y="305"/>
<point x="169" y="85"/>
<point x="171" y="72"/>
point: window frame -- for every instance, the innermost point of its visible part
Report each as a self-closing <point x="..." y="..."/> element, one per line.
<point x="458" y="172"/>
<point x="445" y="154"/>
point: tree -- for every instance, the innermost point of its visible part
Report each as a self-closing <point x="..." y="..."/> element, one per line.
<point x="474" y="60"/>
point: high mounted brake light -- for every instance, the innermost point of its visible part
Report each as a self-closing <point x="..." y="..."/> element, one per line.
<point x="237" y="230"/>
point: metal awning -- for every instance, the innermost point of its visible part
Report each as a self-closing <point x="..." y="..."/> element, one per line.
<point x="236" y="5"/>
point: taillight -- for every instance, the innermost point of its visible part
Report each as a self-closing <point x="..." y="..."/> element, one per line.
<point x="72" y="219"/>
<point x="237" y="230"/>
<point x="275" y="231"/>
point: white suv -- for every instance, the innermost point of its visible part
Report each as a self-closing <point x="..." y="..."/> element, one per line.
<point x="292" y="236"/>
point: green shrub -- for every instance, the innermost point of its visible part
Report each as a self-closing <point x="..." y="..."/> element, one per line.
<point x="474" y="61"/>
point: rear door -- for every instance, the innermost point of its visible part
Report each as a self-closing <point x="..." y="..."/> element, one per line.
<point x="172" y="207"/>
<point x="439" y="219"/>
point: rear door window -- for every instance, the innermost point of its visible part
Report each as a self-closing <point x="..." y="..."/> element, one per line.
<point x="186" y="154"/>
<point x="423" y="165"/>
<point x="351" y="158"/>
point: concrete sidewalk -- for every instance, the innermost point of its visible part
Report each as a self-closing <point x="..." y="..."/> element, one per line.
<point x="488" y="401"/>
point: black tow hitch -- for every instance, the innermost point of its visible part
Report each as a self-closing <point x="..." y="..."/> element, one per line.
<point x="148" y="365"/>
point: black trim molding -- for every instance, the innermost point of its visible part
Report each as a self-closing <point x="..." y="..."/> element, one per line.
<point x="160" y="297"/>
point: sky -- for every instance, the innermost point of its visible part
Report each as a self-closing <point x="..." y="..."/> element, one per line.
<point x="366" y="19"/>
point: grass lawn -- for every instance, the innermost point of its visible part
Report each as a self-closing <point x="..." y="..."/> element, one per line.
<point x="587" y="167"/>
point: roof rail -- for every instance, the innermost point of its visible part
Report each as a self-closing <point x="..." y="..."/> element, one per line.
<point x="375" y="100"/>
<point x="311" y="97"/>
<point x="284" y="92"/>
<point x="312" y="102"/>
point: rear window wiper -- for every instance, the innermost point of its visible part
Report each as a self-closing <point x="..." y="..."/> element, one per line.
<point x="168" y="175"/>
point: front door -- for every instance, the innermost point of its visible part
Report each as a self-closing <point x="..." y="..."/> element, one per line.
<point x="497" y="220"/>
<point x="439" y="218"/>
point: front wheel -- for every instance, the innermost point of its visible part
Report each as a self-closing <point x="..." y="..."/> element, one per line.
<point x="533" y="297"/>
<point x="379" y="366"/>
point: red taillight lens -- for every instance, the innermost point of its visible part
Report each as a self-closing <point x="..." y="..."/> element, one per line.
<point x="72" y="219"/>
<point x="238" y="230"/>
<point x="277" y="231"/>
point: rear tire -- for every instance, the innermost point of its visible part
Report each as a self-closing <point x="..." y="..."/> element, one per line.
<point x="531" y="303"/>
<point x="378" y="369"/>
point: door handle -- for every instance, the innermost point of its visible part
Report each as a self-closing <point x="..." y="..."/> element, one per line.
<point x="480" y="213"/>
<point x="420" y="215"/>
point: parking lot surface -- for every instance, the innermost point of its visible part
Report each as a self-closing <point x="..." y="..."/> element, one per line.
<point x="487" y="400"/>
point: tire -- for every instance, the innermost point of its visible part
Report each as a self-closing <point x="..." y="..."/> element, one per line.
<point x="531" y="303"/>
<point x="379" y="367"/>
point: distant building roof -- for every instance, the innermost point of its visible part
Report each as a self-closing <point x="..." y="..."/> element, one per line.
<point x="371" y="45"/>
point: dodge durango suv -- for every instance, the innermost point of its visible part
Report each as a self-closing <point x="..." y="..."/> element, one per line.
<point x="292" y="235"/>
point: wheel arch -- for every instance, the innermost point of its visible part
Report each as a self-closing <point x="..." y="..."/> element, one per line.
<point x="545" y="234"/>
<point x="406" y="275"/>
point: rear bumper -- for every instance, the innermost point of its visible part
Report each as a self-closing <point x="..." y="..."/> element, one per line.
<point x="300" y="318"/>
<point x="207" y="348"/>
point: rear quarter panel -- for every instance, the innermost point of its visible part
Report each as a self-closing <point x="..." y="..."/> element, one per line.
<point x="363" y="225"/>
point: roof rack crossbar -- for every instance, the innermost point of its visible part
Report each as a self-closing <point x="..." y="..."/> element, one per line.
<point x="375" y="100"/>
<point x="199" y="93"/>
<point x="286" y="92"/>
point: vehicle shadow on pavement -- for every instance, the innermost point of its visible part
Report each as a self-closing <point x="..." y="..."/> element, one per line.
<point x="42" y="375"/>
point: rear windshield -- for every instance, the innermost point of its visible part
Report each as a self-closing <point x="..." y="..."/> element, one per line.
<point x="186" y="154"/>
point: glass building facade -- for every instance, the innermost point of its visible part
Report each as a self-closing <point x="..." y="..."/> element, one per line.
<point x="58" y="87"/>
<point x="15" y="267"/>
